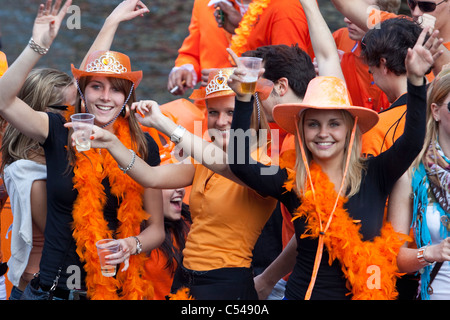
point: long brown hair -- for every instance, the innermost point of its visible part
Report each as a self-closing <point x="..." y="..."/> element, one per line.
<point x="137" y="135"/>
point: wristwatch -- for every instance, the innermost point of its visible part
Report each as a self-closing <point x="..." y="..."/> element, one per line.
<point x="138" y="245"/>
<point x="177" y="134"/>
<point x="421" y="256"/>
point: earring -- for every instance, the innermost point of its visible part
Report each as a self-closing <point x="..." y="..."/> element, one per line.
<point x="82" y="107"/>
<point x="126" y="112"/>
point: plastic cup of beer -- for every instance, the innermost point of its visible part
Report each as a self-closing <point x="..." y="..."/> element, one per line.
<point x="105" y="247"/>
<point x="252" y="66"/>
<point x="82" y="129"/>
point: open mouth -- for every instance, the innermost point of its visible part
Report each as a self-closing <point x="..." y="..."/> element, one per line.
<point x="176" y="203"/>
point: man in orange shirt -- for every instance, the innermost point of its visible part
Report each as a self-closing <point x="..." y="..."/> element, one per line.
<point x="203" y="48"/>
<point x="360" y="12"/>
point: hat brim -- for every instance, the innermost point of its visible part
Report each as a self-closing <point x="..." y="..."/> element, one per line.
<point x="133" y="76"/>
<point x="200" y="94"/>
<point x="285" y="115"/>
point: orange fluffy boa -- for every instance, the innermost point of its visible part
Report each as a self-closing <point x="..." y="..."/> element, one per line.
<point x="358" y="258"/>
<point x="90" y="226"/>
<point x="245" y="28"/>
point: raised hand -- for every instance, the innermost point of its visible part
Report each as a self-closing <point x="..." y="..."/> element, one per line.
<point x="148" y="113"/>
<point x="421" y="58"/>
<point x="128" y="10"/>
<point x="48" y="21"/>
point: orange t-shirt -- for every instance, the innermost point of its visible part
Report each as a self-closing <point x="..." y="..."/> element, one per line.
<point x="363" y="91"/>
<point x="282" y="22"/>
<point x="227" y="220"/>
<point x="388" y="129"/>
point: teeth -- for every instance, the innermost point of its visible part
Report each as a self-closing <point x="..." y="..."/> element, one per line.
<point x="104" y="108"/>
<point x="176" y="200"/>
<point x="324" y="143"/>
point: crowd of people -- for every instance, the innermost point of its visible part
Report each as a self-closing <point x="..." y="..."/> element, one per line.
<point x="327" y="182"/>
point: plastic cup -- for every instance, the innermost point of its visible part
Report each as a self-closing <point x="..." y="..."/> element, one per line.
<point x="252" y="66"/>
<point x="106" y="247"/>
<point x="82" y="129"/>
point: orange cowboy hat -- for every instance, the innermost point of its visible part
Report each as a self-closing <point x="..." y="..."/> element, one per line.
<point x="323" y="93"/>
<point x="217" y="86"/>
<point x="109" y="64"/>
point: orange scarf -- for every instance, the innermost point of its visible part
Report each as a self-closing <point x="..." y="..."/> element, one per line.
<point x="90" y="226"/>
<point x="369" y="266"/>
<point x="248" y="22"/>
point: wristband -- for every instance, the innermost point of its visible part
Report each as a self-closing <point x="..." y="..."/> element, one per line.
<point x="177" y="134"/>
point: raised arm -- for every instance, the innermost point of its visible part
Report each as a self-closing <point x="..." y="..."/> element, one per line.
<point x="204" y="152"/>
<point x="20" y="115"/>
<point x="322" y="41"/>
<point x="126" y="10"/>
<point x="356" y="11"/>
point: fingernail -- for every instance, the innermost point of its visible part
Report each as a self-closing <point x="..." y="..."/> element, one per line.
<point x="91" y="137"/>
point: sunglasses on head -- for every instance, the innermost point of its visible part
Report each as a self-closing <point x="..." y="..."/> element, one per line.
<point x="424" y="6"/>
<point x="448" y="106"/>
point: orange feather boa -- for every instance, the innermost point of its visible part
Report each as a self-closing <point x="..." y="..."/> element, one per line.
<point x="245" y="28"/>
<point x="90" y="226"/>
<point x="359" y="259"/>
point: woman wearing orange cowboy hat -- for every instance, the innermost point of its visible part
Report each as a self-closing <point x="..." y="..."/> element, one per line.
<point x="89" y="196"/>
<point x="337" y="198"/>
<point x="227" y="217"/>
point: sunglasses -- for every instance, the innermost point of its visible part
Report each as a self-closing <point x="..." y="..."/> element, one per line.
<point x="448" y="106"/>
<point x="424" y="6"/>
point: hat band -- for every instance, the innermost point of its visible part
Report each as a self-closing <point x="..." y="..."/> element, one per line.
<point x="106" y="63"/>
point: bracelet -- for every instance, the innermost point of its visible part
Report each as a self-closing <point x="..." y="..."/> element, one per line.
<point x="37" y="48"/>
<point x="421" y="256"/>
<point x="177" y="134"/>
<point x="133" y="159"/>
<point x="138" y="245"/>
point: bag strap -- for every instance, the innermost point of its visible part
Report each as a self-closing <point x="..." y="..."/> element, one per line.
<point x="433" y="274"/>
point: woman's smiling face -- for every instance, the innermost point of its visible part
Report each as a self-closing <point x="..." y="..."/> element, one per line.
<point x="103" y="99"/>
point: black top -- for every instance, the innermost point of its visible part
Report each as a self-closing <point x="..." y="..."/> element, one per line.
<point x="367" y="205"/>
<point x="60" y="198"/>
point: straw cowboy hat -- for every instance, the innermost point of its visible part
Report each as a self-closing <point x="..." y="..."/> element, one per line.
<point x="217" y="86"/>
<point x="323" y="93"/>
<point x="109" y="64"/>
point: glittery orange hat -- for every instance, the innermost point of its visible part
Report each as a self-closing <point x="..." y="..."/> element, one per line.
<point x="109" y="64"/>
<point x="217" y="85"/>
<point x="323" y="93"/>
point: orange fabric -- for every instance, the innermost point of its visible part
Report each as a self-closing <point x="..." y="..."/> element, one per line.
<point x="372" y="141"/>
<point x="227" y="220"/>
<point x="205" y="45"/>
<point x="282" y="22"/>
<point x="160" y="276"/>
<point x="360" y="83"/>
<point x="3" y="63"/>
<point x="5" y="240"/>
<point x="342" y="40"/>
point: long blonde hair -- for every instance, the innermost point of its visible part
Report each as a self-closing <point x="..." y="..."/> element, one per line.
<point x="356" y="165"/>
<point x="42" y="89"/>
<point x="437" y="92"/>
